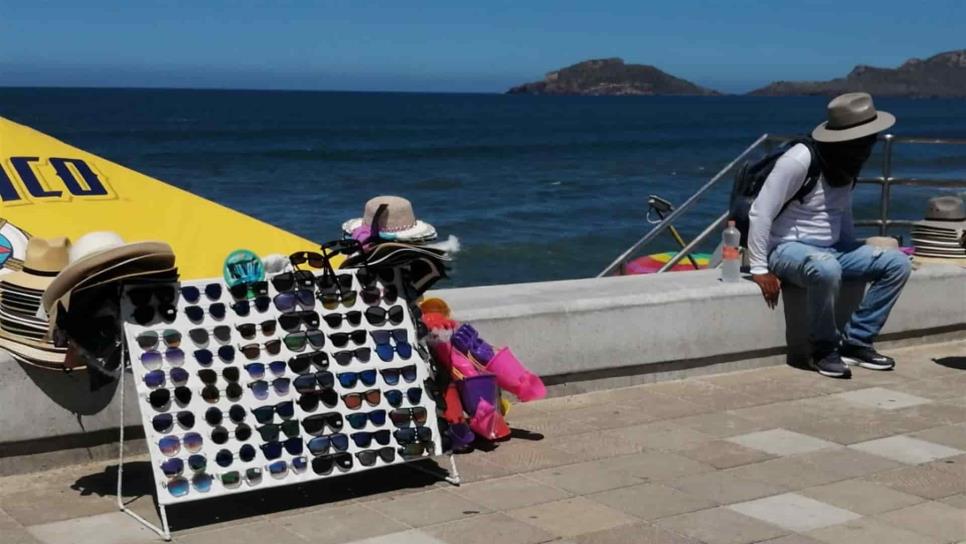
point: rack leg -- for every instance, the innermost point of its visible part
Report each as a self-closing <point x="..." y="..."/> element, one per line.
<point x="452" y="475"/>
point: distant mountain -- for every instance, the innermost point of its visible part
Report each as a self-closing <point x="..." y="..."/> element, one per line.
<point x="939" y="76"/>
<point x="610" y="77"/>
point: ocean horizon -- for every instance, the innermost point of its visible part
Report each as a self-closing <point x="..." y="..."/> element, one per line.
<point x="536" y="188"/>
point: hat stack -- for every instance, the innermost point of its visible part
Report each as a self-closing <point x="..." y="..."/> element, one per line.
<point x="942" y="234"/>
<point x="23" y="327"/>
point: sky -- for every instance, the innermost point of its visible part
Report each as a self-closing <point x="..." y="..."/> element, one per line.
<point x="456" y="45"/>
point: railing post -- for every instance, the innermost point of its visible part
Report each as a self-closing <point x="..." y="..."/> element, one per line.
<point x="886" y="185"/>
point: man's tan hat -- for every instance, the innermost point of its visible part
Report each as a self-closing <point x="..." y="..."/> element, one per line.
<point x="45" y="258"/>
<point x="852" y="116"/>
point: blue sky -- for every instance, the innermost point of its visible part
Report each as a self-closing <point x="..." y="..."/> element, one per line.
<point x="455" y="45"/>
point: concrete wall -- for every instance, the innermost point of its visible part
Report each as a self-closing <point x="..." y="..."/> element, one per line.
<point x="578" y="334"/>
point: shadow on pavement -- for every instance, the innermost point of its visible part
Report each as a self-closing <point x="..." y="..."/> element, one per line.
<point x="959" y="363"/>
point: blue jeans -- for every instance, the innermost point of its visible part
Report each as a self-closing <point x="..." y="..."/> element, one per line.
<point x="820" y="270"/>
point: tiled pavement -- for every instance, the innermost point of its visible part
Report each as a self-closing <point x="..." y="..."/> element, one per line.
<point x="776" y="455"/>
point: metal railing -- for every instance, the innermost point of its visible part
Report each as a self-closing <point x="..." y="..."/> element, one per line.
<point x="886" y="181"/>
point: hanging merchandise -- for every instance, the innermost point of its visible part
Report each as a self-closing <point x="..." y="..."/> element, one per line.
<point x="252" y="383"/>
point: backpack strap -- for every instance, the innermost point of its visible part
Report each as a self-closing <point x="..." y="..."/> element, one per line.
<point x="811" y="176"/>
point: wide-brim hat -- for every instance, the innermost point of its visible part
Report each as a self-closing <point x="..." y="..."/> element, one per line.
<point x="32" y="351"/>
<point x="852" y="116"/>
<point x="45" y="258"/>
<point x="398" y="223"/>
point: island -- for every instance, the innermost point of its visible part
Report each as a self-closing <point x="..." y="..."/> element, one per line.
<point x="939" y="76"/>
<point x="611" y="77"/>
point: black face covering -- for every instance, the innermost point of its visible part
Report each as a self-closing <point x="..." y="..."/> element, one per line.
<point x="842" y="161"/>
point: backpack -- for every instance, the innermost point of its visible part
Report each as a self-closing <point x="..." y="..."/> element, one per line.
<point x="750" y="178"/>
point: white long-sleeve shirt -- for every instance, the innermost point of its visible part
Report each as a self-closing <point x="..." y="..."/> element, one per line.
<point x="822" y="219"/>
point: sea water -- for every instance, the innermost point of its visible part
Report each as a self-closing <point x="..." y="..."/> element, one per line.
<point x="535" y="187"/>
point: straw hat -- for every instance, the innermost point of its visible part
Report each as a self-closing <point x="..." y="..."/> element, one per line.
<point x="44" y="259"/>
<point x="943" y="231"/>
<point x="398" y="223"/>
<point x="852" y="116"/>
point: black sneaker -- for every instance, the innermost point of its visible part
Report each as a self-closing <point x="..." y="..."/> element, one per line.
<point x="830" y="365"/>
<point x="865" y="357"/>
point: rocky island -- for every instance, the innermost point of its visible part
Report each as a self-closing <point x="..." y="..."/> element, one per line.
<point x="939" y="76"/>
<point x="601" y="77"/>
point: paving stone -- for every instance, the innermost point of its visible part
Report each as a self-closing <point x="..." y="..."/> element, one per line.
<point x="663" y="436"/>
<point x="616" y="415"/>
<point x="723" y="488"/>
<point x="412" y="536"/>
<point x="932" y="519"/>
<point x="881" y="398"/>
<point x="867" y="531"/>
<point x="719" y="424"/>
<point x="794" y="512"/>
<point x="953" y="436"/>
<point x="638" y="533"/>
<point x="596" y="445"/>
<point x="511" y="492"/>
<point x="935" y="388"/>
<point x="486" y="529"/>
<point x="956" y="501"/>
<point x="781" y="442"/>
<point x="723" y="454"/>
<point x="651" y="501"/>
<point x="17" y="535"/>
<point x="927" y="416"/>
<point x="551" y="425"/>
<point x="663" y="407"/>
<point x="337" y="525"/>
<point x="585" y="478"/>
<point x="656" y="465"/>
<point x="708" y="396"/>
<point x="791" y="539"/>
<point x="59" y="502"/>
<point x="572" y="517"/>
<point x="474" y="468"/>
<point x="429" y="508"/>
<point x="517" y="458"/>
<point x="928" y="481"/>
<point x="113" y="528"/>
<point x="906" y="449"/>
<point x="720" y="526"/>
<point x="861" y="497"/>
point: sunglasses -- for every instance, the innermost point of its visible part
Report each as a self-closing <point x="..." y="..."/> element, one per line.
<point x="273" y="450"/>
<point x="300" y="363"/>
<point x="214" y="416"/>
<point x="311" y="258"/>
<point x="279" y="469"/>
<point x="345" y="357"/>
<point x="350" y="379"/>
<point x="377" y="316"/>
<point x="243" y="308"/>
<point x="391" y="375"/>
<point x="211" y="394"/>
<point x="296" y="341"/>
<point x="324" y="464"/>
<point x="341" y="339"/>
<point x="151" y="360"/>
<point x="353" y="401"/>
<point x="334" y="320"/>
<point x="416" y="449"/>
<point x="287" y="281"/>
<point x="373" y="294"/>
<point x="387" y="336"/>
<point x="220" y="435"/>
<point x="265" y="414"/>
<point x="395" y="397"/>
<point x="224" y="458"/>
<point x="307" y="383"/>
<point x="200" y="336"/>
<point x="141" y="296"/>
<point x="410" y="435"/>
<point x="402" y="417"/>
<point x="209" y="376"/>
<point x="279" y="385"/>
<point x="205" y="357"/>
<point x="310" y="400"/>
<point x="157" y="378"/>
<point x="248" y="330"/>
<point x="148" y="340"/>
<point x="320" y="445"/>
<point x="254" y="289"/>
<point x="368" y="276"/>
<point x="288" y="301"/>
<point x="331" y="299"/>
<point x="170" y="445"/>
<point x="145" y="314"/>
<point x="292" y="321"/>
<point x="315" y="425"/>
<point x="175" y="466"/>
<point x="179" y="487"/>
<point x="257" y="370"/>
<point x="254" y="350"/>
<point x="192" y="294"/>
<point x="358" y="421"/>
<point x="367" y="458"/>
<point x="270" y="431"/>
<point x="327" y="282"/>
<point x="159" y="398"/>
<point x="163" y="423"/>
<point x="365" y="438"/>
<point x="197" y="313"/>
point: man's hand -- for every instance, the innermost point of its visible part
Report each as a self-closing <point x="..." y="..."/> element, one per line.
<point x="770" y="286"/>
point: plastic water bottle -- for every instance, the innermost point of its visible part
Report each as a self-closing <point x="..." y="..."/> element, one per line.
<point x="730" y="254"/>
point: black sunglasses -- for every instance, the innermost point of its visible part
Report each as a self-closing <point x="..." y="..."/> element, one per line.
<point x="197" y="313"/>
<point x="334" y="320"/>
<point x="248" y="330"/>
<point x="316" y="424"/>
<point x="300" y="363"/>
<point x="293" y="320"/>
<point x="344" y="357"/>
<point x="287" y="281"/>
<point x="192" y="294"/>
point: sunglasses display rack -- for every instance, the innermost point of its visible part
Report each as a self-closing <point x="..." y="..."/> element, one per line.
<point x="248" y="389"/>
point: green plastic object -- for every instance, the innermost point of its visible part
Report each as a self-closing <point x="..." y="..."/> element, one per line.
<point x="243" y="266"/>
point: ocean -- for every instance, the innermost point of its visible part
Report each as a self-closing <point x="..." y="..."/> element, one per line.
<point x="535" y="188"/>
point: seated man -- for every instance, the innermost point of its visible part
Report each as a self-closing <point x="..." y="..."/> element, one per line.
<point x="810" y="243"/>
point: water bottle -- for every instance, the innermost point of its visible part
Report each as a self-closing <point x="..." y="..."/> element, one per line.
<point x="730" y="254"/>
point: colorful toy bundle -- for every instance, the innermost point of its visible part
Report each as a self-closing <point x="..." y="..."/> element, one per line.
<point x="475" y="406"/>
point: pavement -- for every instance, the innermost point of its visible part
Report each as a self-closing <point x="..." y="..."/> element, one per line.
<point x="778" y="455"/>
